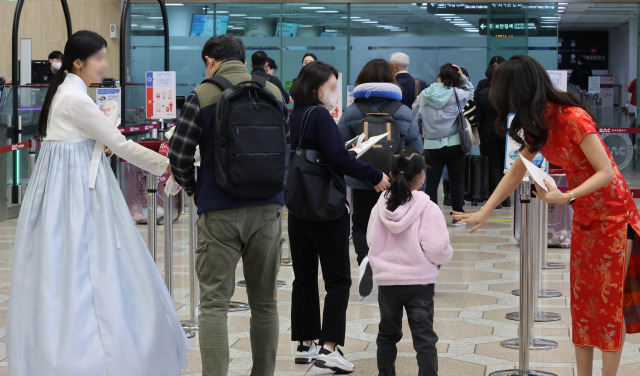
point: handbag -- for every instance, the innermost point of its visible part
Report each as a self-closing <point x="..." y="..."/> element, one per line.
<point x="463" y="129"/>
<point x="314" y="191"/>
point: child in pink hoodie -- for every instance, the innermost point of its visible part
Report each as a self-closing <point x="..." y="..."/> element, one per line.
<point x="408" y="239"/>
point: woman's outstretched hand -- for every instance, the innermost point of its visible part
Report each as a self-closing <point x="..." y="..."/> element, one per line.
<point x="478" y="218"/>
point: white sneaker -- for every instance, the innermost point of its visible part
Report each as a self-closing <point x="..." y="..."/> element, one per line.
<point x="306" y="354"/>
<point x="365" y="284"/>
<point x="334" y="361"/>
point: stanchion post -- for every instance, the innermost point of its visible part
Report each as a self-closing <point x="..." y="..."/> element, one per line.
<point x="527" y="285"/>
<point x="152" y="214"/>
<point x="32" y="155"/>
<point x="168" y="242"/>
<point x="546" y="264"/>
<point x="191" y="325"/>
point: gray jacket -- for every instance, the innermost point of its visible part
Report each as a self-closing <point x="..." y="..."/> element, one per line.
<point x="437" y="111"/>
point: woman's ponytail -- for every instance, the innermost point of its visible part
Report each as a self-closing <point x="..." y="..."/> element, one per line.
<point x="81" y="45"/>
<point x="405" y="166"/>
<point x="56" y="80"/>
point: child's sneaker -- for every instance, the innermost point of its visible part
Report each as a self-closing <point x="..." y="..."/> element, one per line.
<point x="334" y="361"/>
<point x="366" y="278"/>
<point x="456" y="223"/>
<point x="306" y="354"/>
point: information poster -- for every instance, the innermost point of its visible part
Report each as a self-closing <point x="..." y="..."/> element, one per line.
<point x="161" y="95"/>
<point x="513" y="149"/>
<point x="559" y="79"/>
<point x="350" y="98"/>
<point x="594" y="85"/>
<point x="109" y="102"/>
<point x="336" y="112"/>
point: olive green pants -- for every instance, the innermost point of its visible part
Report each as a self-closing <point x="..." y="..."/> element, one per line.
<point x="224" y="237"/>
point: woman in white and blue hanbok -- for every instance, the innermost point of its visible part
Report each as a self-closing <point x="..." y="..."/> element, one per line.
<point x="86" y="296"/>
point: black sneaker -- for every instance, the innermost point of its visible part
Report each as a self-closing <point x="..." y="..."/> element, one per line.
<point x="366" y="278"/>
<point x="334" y="361"/>
<point x="456" y="223"/>
<point x="306" y="354"/>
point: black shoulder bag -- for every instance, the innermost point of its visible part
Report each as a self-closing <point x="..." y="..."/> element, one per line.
<point x="314" y="192"/>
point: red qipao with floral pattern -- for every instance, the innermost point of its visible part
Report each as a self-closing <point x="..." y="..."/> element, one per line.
<point x="598" y="237"/>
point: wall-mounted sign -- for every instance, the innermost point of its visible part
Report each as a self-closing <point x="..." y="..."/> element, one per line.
<point x="593" y="45"/>
<point x="512" y="27"/>
<point x="446" y="8"/>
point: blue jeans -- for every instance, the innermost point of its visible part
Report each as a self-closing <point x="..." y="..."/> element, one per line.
<point x="418" y="302"/>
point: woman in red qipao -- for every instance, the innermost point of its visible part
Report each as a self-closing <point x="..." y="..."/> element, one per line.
<point x="605" y="219"/>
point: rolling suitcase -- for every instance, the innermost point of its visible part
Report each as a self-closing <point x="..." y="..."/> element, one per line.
<point x="476" y="179"/>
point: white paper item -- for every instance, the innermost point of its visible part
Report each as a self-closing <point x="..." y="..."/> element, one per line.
<point x="364" y="146"/>
<point x="538" y="174"/>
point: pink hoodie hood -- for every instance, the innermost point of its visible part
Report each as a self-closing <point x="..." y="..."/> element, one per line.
<point x="407" y="245"/>
<point x="404" y="216"/>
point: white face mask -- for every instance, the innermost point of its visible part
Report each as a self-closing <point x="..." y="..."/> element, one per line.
<point x="330" y="100"/>
<point x="56" y="65"/>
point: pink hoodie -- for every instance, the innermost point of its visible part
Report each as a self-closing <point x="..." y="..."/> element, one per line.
<point x="407" y="245"/>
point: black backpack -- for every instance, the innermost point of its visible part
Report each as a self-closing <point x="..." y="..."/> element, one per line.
<point x="375" y="123"/>
<point x="250" y="150"/>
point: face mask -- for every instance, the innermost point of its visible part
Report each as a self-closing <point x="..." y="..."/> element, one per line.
<point x="330" y="100"/>
<point x="56" y="65"/>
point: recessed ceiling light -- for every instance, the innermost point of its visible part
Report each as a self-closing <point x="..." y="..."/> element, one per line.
<point x="134" y="25"/>
<point x="305" y="25"/>
<point x="174" y="5"/>
<point x="327" y="11"/>
<point x="352" y="17"/>
<point x="312" y="8"/>
<point x="445" y="14"/>
<point x="330" y="31"/>
<point x="155" y="18"/>
<point x="254" y="18"/>
<point x="362" y="20"/>
<point x="370" y="22"/>
<point x="237" y="15"/>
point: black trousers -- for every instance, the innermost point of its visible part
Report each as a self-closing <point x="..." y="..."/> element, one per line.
<point x="418" y="301"/>
<point x="363" y="202"/>
<point x="453" y="158"/>
<point x="493" y="147"/>
<point x="328" y="242"/>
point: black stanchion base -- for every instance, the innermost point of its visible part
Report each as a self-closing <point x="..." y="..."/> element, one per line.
<point x="516" y="372"/>
<point x="537" y="317"/>
<point x="536" y="344"/>
<point x="543" y="293"/>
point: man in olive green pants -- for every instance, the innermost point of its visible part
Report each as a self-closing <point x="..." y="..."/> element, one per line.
<point x="253" y="234"/>
<point x="230" y="228"/>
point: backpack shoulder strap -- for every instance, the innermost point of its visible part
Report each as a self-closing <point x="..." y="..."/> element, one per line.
<point x="259" y="79"/>
<point x="219" y="81"/>
<point x="363" y="107"/>
<point x="391" y="108"/>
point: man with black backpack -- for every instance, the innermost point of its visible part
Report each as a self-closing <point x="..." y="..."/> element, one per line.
<point x="240" y="124"/>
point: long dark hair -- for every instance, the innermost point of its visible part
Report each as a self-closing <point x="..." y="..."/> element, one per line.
<point x="521" y="85"/>
<point x="305" y="87"/>
<point x="405" y="166"/>
<point x="449" y="75"/>
<point x="81" y="45"/>
<point x="376" y="70"/>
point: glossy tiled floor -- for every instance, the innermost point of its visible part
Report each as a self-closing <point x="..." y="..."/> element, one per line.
<point x="473" y="294"/>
